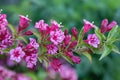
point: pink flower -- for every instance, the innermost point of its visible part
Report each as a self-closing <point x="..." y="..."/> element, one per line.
<point x="67" y="39"/>
<point x="107" y="27"/>
<point x="76" y="59"/>
<point x="52" y="49"/>
<point x="41" y="25"/>
<point x="31" y="60"/>
<point x="3" y="20"/>
<point x="55" y="25"/>
<point x="74" y="32"/>
<point x="56" y="64"/>
<point x="34" y="43"/>
<point x="73" y="44"/>
<point x="22" y="77"/>
<point x="57" y="36"/>
<point x="87" y="26"/>
<point x="17" y="54"/>
<point x="67" y="73"/>
<point x="23" y="23"/>
<point x="27" y="33"/>
<point x="93" y="40"/>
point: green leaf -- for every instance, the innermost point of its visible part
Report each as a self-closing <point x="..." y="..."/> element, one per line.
<point x="115" y="49"/>
<point x="88" y="56"/>
<point x="106" y="51"/>
<point x="80" y="37"/>
<point x="113" y="34"/>
<point x="22" y="38"/>
<point x="67" y="59"/>
<point x="37" y="35"/>
<point x="12" y="28"/>
<point x="99" y="34"/>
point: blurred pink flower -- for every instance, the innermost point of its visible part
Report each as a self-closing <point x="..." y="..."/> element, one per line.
<point x="76" y="59"/>
<point x="67" y="73"/>
<point x="107" y="27"/>
<point x="55" y="64"/>
<point x="57" y="36"/>
<point x="93" y="40"/>
<point x="17" y="54"/>
<point x="31" y="60"/>
<point x="3" y="20"/>
<point x="87" y="26"/>
<point x="52" y="49"/>
<point x="22" y="77"/>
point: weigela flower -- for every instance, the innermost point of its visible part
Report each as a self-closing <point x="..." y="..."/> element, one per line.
<point x="23" y="23"/>
<point x="17" y="54"/>
<point x="56" y="64"/>
<point x="67" y="39"/>
<point x="74" y="32"/>
<point x="87" y="26"/>
<point x="31" y="55"/>
<point x="34" y="43"/>
<point x="57" y="36"/>
<point x="27" y="33"/>
<point x="76" y="59"/>
<point x="93" y="40"/>
<point x="54" y="25"/>
<point x="107" y="27"/>
<point x="41" y="25"/>
<point x="31" y="60"/>
<point x="52" y="49"/>
<point x="3" y="20"/>
<point x="67" y="73"/>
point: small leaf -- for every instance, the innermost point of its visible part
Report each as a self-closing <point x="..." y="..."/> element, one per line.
<point x="80" y="37"/>
<point x="99" y="34"/>
<point x="37" y="35"/>
<point x="113" y="34"/>
<point x="12" y="28"/>
<point x="88" y="56"/>
<point x="106" y="51"/>
<point x="22" y="38"/>
<point x="67" y="59"/>
<point x="115" y="49"/>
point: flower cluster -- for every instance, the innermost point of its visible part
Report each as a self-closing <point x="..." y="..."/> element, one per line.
<point x="6" y="74"/>
<point x="51" y="43"/>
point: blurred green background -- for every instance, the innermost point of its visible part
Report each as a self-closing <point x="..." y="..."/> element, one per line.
<point x="71" y="13"/>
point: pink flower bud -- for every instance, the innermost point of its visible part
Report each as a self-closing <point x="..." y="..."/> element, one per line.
<point x="67" y="39"/>
<point x="27" y="33"/>
<point x="74" y="32"/>
<point x="107" y="27"/>
<point x="56" y="64"/>
<point x="87" y="26"/>
<point x="76" y="59"/>
<point x="66" y="32"/>
<point x="111" y="25"/>
<point x="23" y="23"/>
<point x="104" y="25"/>
<point x="73" y="44"/>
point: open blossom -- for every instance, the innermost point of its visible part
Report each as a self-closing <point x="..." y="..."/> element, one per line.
<point x="23" y="23"/>
<point x="31" y="60"/>
<point x="93" y="40"/>
<point x="87" y="26"/>
<point x="52" y="49"/>
<point x="41" y="25"/>
<point x="107" y="27"/>
<point x="31" y="55"/>
<point x="34" y="43"/>
<point x="17" y="54"/>
<point x="54" y="25"/>
<point x="57" y="36"/>
<point x="56" y="64"/>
